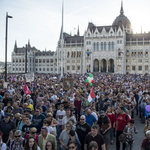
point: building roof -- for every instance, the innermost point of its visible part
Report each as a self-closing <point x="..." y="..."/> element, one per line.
<point x="139" y="37"/>
<point x="122" y="19"/>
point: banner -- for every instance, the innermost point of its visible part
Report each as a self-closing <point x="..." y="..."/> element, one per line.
<point x="5" y="85"/>
<point x="29" y="77"/>
<point x="68" y="83"/>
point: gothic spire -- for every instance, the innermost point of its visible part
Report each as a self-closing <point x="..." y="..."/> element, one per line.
<point x="15" y="46"/>
<point x="29" y="43"/>
<point x="78" y="32"/>
<point x="121" y="10"/>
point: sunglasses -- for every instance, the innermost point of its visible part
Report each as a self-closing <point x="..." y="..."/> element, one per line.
<point x="17" y="136"/>
<point x="71" y="147"/>
<point x="81" y="119"/>
<point x="33" y="132"/>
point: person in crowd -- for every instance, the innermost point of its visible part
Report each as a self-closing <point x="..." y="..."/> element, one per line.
<point x="3" y="146"/>
<point x="6" y="125"/>
<point x="121" y="121"/>
<point x="104" y="127"/>
<point x="37" y="119"/>
<point x="67" y="117"/>
<point x="19" y="142"/>
<point x="1" y="110"/>
<point x="33" y="132"/>
<point x="29" y="105"/>
<point x="46" y="102"/>
<point x="11" y="138"/>
<point x="75" y="110"/>
<point x="129" y="130"/>
<point x="90" y="119"/>
<point x="46" y="123"/>
<point x="72" y="137"/>
<point x="64" y="137"/>
<point x="50" y="145"/>
<point x="6" y="99"/>
<point x="82" y="129"/>
<point x="146" y="142"/>
<point x="53" y="122"/>
<point x="22" y="122"/>
<point x="44" y="137"/>
<point x="94" y="113"/>
<point x="112" y="118"/>
<point x="72" y="145"/>
<point x="31" y="144"/>
<point x="26" y="128"/>
<point x="94" y="136"/>
<point x="16" y="109"/>
<point x="60" y="115"/>
<point x="93" y="145"/>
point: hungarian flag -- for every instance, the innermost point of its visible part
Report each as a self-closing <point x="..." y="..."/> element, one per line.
<point x="26" y="89"/>
<point x="90" y="97"/>
<point x="45" y="84"/>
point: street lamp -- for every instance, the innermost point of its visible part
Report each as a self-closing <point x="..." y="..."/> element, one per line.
<point x="7" y="16"/>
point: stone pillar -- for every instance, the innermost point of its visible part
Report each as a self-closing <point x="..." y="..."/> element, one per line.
<point x="107" y="66"/>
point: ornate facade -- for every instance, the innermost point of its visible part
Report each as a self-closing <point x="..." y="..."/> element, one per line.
<point x="111" y="48"/>
<point x="106" y="49"/>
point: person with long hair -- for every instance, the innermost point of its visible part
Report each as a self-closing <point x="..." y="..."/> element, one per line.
<point x="50" y="145"/>
<point x="31" y="144"/>
<point x="112" y="118"/>
<point x="11" y="138"/>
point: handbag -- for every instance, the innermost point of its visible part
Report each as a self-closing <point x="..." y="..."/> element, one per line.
<point x="122" y="138"/>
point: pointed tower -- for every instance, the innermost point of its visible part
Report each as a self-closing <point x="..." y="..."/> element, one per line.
<point x="70" y="33"/>
<point x="29" y="43"/>
<point x="121" y="10"/>
<point x="78" y="32"/>
<point x="15" y="46"/>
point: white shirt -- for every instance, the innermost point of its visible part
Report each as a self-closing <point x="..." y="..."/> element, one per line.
<point x="95" y="115"/>
<point x="65" y="120"/>
<point x="60" y="114"/>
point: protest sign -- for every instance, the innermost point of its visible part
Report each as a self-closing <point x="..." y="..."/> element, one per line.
<point x="29" y="77"/>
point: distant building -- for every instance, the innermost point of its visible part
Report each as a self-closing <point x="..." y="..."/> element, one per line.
<point x="37" y="61"/>
<point x="111" y="48"/>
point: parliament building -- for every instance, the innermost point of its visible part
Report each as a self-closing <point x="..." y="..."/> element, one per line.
<point x="113" y="49"/>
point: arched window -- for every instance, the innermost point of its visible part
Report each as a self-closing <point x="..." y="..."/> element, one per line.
<point x="102" y="46"/>
<point x="109" y="46"/>
<point x="119" y="33"/>
<point x="74" y="54"/>
<point x="146" y="52"/>
<point x="112" y="45"/>
<point x="105" y="46"/>
<point x="94" y="46"/>
<point x="97" y="46"/>
<point x="68" y="54"/>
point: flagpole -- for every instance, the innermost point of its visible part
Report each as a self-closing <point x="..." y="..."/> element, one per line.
<point x="62" y="56"/>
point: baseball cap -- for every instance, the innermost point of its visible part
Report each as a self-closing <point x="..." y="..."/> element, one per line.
<point x="102" y="112"/>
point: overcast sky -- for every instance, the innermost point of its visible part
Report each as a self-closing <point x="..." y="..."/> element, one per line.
<point x="40" y="20"/>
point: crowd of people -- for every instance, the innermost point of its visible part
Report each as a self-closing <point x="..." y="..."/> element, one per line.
<point x="50" y="117"/>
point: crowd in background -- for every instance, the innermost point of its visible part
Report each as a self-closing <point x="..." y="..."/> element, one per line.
<point x="51" y="117"/>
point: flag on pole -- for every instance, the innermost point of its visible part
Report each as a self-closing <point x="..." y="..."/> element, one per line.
<point x="26" y="89"/>
<point x="121" y="52"/>
<point x="90" y="97"/>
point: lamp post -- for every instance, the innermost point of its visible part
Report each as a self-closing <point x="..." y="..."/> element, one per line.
<point x="7" y="16"/>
